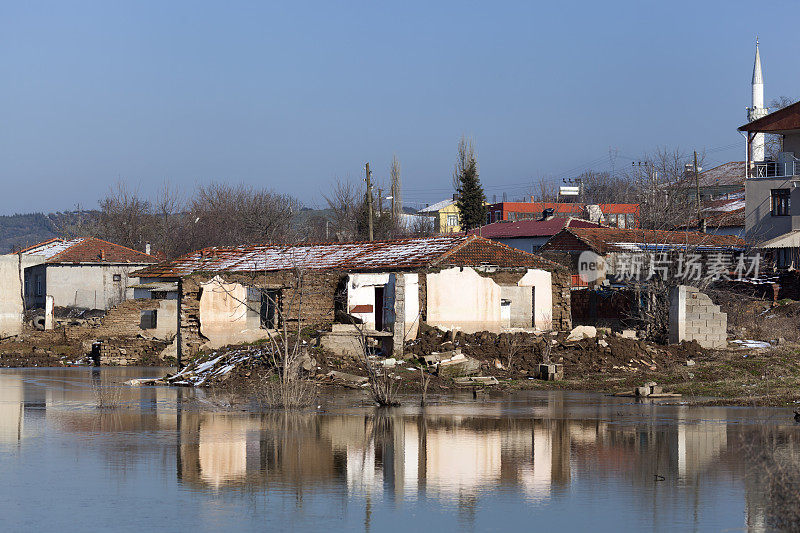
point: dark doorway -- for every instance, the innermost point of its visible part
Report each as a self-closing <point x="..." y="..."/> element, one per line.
<point x="270" y="300"/>
<point x="379" y="308"/>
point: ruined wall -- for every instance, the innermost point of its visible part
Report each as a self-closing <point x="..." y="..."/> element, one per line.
<point x="315" y="300"/>
<point x="560" y="287"/>
<point x="693" y="316"/>
<point x="461" y="298"/>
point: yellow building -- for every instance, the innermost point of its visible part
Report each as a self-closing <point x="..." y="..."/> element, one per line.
<point x="446" y="218"/>
<point x="445" y="215"/>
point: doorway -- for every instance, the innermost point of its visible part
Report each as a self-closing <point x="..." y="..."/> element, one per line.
<point x="378" y="307"/>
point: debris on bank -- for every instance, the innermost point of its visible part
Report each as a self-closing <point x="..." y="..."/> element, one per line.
<point x="216" y="366"/>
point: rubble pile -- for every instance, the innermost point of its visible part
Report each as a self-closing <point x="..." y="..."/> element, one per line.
<point x="580" y="351"/>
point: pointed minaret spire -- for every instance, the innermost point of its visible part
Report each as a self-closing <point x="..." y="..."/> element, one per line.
<point x="757" y="109"/>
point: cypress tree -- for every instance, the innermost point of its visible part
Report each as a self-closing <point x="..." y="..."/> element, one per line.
<point x="471" y="200"/>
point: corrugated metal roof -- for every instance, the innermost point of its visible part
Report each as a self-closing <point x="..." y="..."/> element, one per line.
<point x="437" y="206"/>
<point x="48" y="249"/>
<point x="398" y="254"/>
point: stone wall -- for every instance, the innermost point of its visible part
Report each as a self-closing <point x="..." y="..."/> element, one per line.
<point x="314" y="301"/>
<point x="693" y="316"/>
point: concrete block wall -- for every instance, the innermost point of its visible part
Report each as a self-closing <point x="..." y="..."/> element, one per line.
<point x="693" y="316"/>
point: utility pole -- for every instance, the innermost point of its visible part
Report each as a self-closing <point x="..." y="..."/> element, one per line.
<point x="368" y="179"/>
<point x="697" y="188"/>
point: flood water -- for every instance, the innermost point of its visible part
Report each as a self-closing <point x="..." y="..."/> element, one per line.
<point x="171" y="459"/>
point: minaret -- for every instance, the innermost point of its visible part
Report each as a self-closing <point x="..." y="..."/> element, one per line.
<point x="757" y="110"/>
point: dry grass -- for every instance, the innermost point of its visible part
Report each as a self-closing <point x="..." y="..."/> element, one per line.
<point x="273" y="391"/>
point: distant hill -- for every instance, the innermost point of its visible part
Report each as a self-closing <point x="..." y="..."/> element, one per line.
<point x="19" y="231"/>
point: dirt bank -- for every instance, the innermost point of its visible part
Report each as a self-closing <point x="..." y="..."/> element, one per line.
<point x="605" y="363"/>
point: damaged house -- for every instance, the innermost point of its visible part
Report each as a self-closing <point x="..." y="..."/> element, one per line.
<point x="380" y="289"/>
<point x="83" y="273"/>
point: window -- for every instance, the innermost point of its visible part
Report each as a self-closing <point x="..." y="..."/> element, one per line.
<point x="621" y="221"/>
<point x="630" y="220"/>
<point x="27" y="288"/>
<point x="38" y="285"/>
<point x="611" y="220"/>
<point x="780" y="202"/>
<point x="452" y="220"/>
<point x="117" y="277"/>
<point x="148" y="319"/>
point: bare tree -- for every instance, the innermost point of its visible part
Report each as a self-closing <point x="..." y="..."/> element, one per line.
<point x="230" y="215"/>
<point x="774" y="143"/>
<point x="396" y="188"/>
<point x="124" y="216"/>
<point x="344" y="201"/>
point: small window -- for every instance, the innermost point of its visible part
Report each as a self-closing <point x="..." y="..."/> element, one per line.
<point x="149" y="319"/>
<point x="38" y="285"/>
<point x="117" y="278"/>
<point x="452" y="220"/>
<point x="611" y="220"/>
<point x="630" y="220"/>
<point x="780" y="202"/>
<point x="621" y="221"/>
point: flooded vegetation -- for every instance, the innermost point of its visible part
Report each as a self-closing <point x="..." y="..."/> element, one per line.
<point x="179" y="457"/>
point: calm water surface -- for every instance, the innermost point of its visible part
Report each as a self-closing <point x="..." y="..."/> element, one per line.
<point x="169" y="459"/>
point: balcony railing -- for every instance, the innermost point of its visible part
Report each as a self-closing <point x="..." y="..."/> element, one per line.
<point x="774" y="169"/>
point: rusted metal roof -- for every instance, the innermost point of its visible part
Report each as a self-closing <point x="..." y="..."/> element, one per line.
<point x="391" y="255"/>
<point x="87" y="250"/>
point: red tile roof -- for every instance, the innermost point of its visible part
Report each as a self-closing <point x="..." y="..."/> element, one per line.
<point x="559" y="207"/>
<point x="531" y="228"/>
<point x="605" y="240"/>
<point x="87" y="250"/>
<point x="391" y="255"/>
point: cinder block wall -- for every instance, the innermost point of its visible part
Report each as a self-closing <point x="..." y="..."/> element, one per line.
<point x="693" y="316"/>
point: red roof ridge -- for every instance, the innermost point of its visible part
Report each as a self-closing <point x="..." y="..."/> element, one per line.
<point x="85" y="240"/>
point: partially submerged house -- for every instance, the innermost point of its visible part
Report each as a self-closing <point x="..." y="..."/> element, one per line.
<point x="379" y="289"/>
<point x="84" y="273"/>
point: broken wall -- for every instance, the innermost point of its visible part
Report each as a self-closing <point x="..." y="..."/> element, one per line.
<point x="225" y="317"/>
<point x="693" y="316"/>
<point x="315" y="298"/>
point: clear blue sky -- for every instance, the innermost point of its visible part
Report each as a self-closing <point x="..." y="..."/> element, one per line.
<point x="293" y="94"/>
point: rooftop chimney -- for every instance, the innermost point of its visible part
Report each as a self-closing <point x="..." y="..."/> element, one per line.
<point x="102" y="254"/>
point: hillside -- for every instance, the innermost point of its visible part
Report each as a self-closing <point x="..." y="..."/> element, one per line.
<point x="21" y="230"/>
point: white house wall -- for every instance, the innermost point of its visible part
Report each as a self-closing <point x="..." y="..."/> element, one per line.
<point x="224" y="315"/>
<point x="542" y="281"/>
<point x="460" y="298"/>
<point x="11" y="304"/>
<point x="82" y="286"/>
<point x="361" y="291"/>
<point x="463" y="299"/>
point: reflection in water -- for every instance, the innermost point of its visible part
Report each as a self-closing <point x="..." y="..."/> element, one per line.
<point x="547" y="446"/>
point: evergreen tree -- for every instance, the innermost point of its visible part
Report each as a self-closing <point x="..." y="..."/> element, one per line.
<point x="471" y="200"/>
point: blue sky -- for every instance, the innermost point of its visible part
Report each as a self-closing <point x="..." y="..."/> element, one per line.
<point x="292" y="95"/>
